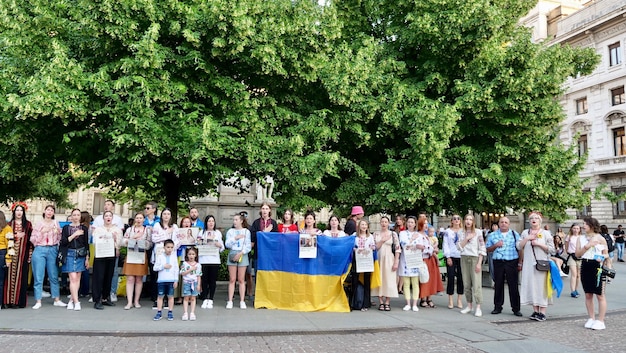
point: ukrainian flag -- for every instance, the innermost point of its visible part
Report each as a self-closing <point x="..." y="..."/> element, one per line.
<point x="285" y="281"/>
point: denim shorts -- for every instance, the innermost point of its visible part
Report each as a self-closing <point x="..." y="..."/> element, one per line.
<point x="190" y="289"/>
<point x="165" y="288"/>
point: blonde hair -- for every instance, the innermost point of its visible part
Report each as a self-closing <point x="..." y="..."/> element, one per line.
<point x="473" y="227"/>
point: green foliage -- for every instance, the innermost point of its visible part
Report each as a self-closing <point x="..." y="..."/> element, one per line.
<point x="398" y="106"/>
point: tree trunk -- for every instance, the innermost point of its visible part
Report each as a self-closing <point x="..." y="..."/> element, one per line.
<point x="172" y="192"/>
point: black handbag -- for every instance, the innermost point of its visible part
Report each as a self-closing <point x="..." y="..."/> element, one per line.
<point x="565" y="267"/>
<point x="82" y="252"/>
<point x="542" y="265"/>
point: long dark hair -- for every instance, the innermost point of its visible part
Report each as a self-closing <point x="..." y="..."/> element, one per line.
<point x="24" y="220"/>
<point x="206" y="221"/>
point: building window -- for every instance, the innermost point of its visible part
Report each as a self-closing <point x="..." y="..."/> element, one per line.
<point x="617" y="96"/>
<point x="615" y="54"/>
<point x="583" y="212"/>
<point x="98" y="204"/>
<point x="581" y="106"/>
<point x="619" y="207"/>
<point x="582" y="145"/>
<point x="619" y="141"/>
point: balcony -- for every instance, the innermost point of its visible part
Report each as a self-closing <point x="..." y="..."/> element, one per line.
<point x="589" y="17"/>
<point x="612" y="165"/>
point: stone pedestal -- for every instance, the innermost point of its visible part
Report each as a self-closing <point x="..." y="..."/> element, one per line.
<point x="232" y="201"/>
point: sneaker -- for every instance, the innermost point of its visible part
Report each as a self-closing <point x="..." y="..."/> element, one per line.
<point x="77" y="306"/>
<point x="534" y="315"/>
<point x="45" y="294"/>
<point x="478" y="312"/>
<point x="415" y="308"/>
<point x="113" y="297"/>
<point x="192" y="317"/>
<point x="563" y="274"/>
<point x="598" y="325"/>
<point x="154" y="306"/>
<point x="185" y="317"/>
<point x="204" y="304"/>
<point x="229" y="305"/>
<point x="541" y="317"/>
<point x="157" y="317"/>
<point x="70" y="306"/>
<point x="575" y="294"/>
<point x="90" y="300"/>
<point x="210" y="304"/>
<point x="166" y="307"/>
<point x="37" y="306"/>
<point x="589" y="323"/>
<point x="406" y="307"/>
<point x="59" y="303"/>
<point x="170" y="316"/>
<point x="242" y="305"/>
<point x="466" y="310"/>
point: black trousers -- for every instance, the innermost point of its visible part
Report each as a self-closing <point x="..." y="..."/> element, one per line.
<point x="367" y="278"/>
<point x="506" y="270"/>
<point x="209" y="280"/>
<point x="453" y="272"/>
<point x="103" y="269"/>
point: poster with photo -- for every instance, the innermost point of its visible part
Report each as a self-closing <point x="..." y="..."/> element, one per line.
<point x="136" y="253"/>
<point x="208" y="247"/>
<point x="308" y="246"/>
<point x="364" y="259"/>
<point x="187" y="236"/>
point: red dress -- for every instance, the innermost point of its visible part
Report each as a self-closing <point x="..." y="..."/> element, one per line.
<point x="17" y="271"/>
<point x="434" y="284"/>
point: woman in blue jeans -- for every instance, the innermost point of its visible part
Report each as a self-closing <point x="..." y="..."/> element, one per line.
<point x="45" y="237"/>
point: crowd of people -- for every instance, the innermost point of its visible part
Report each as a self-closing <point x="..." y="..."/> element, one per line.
<point x="407" y="255"/>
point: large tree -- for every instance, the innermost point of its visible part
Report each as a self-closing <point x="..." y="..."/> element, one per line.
<point x="397" y="105"/>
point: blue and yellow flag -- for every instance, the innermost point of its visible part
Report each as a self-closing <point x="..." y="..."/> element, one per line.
<point x="285" y="281"/>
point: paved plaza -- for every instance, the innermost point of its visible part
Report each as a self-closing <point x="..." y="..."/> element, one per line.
<point x="53" y="329"/>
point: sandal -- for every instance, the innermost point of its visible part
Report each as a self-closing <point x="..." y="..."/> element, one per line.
<point x="381" y="307"/>
<point x="430" y="303"/>
<point x="423" y="303"/>
<point x="387" y="307"/>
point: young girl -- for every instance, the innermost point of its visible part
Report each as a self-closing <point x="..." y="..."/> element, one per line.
<point x="191" y="271"/>
<point x="363" y="243"/>
<point x="238" y="241"/>
<point x="288" y="225"/>
<point x="335" y="229"/>
<point x="411" y="241"/>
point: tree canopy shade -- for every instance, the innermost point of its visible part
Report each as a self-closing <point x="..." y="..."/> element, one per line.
<point x="395" y="105"/>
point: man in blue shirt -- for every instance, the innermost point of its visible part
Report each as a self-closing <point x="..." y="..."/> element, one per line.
<point x="505" y="258"/>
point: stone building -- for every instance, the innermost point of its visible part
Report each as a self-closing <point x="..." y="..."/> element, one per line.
<point x="595" y="105"/>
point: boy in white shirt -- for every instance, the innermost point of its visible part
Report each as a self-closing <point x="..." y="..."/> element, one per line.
<point x="166" y="265"/>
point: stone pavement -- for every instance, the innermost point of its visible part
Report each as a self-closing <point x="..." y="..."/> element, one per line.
<point x="219" y="329"/>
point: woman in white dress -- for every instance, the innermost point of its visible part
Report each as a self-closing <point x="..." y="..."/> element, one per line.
<point x="388" y="264"/>
<point x="536" y="244"/>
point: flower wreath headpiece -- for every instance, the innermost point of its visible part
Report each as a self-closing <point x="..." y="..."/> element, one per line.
<point x="19" y="203"/>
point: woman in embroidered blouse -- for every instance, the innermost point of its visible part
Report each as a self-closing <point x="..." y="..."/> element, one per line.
<point x="434" y="284"/>
<point x="574" y="262"/>
<point x="165" y="229"/>
<point x="363" y="243"/>
<point x="103" y="267"/>
<point x="309" y="224"/>
<point x="335" y="228"/>
<point x="264" y="223"/>
<point x="592" y="249"/>
<point x="210" y="263"/>
<point x="471" y="244"/>
<point x="453" y="262"/>
<point x="399" y="227"/>
<point x="388" y="261"/>
<point x="74" y="245"/>
<point x="45" y="238"/>
<point x="134" y="272"/>
<point x="15" y="290"/>
<point x="537" y="244"/>
<point x="411" y="241"/>
<point x="288" y="225"/>
<point x="238" y="240"/>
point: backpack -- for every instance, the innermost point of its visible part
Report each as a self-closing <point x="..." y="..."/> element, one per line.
<point x="358" y="296"/>
<point x="609" y="242"/>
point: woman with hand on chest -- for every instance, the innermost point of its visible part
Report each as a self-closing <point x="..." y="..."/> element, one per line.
<point x="74" y="246"/>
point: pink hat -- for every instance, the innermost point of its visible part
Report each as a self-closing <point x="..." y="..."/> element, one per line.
<point x="357" y="210"/>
